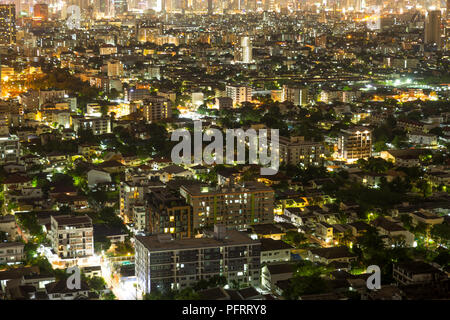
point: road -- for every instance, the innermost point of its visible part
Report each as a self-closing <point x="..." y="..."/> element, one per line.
<point x="122" y="290"/>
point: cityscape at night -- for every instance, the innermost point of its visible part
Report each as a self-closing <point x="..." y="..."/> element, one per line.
<point x="245" y="150"/>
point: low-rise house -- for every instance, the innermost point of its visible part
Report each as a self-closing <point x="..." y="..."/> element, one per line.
<point x="60" y="291"/>
<point x="439" y="177"/>
<point x="358" y="228"/>
<point x="8" y="225"/>
<point x="92" y="271"/>
<point x="11" y="252"/>
<point x="275" y="272"/>
<point x="98" y="176"/>
<point x="417" y="272"/>
<point x="426" y="217"/>
<point x="275" y="251"/>
<point x="325" y="232"/>
<point x="174" y="171"/>
<point x="16" y="182"/>
<point x="268" y="230"/>
<point x="328" y="255"/>
<point x="393" y="231"/>
<point x="295" y="215"/>
<point x="114" y="234"/>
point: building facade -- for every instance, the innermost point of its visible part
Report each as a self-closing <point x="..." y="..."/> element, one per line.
<point x="157" y="109"/>
<point x="238" y="206"/>
<point x="7" y="24"/>
<point x="296" y="150"/>
<point x="163" y="263"/>
<point x="169" y="213"/>
<point x="239" y="94"/>
<point x="355" y="143"/>
<point x="72" y="237"/>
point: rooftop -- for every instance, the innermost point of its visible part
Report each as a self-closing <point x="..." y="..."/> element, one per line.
<point x="232" y="237"/>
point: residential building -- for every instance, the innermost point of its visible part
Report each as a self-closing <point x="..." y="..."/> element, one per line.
<point x="328" y="255"/>
<point x="295" y="150"/>
<point x="163" y="263"/>
<point x="7" y="24"/>
<point x="72" y="237"/>
<point x="239" y="93"/>
<point x="297" y="95"/>
<point x="273" y="272"/>
<point x="238" y="205"/>
<point x="98" y="125"/>
<point x="169" y="213"/>
<point x="433" y="30"/>
<point x="416" y="272"/>
<point x="274" y="251"/>
<point x="9" y="149"/>
<point x="393" y="231"/>
<point x="157" y="109"/>
<point x="11" y="252"/>
<point x="355" y="143"/>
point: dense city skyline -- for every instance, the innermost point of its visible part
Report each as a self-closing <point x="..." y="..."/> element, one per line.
<point x="224" y="150"/>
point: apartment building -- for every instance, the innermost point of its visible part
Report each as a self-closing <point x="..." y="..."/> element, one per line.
<point x="239" y="94"/>
<point x="157" y="109"/>
<point x="11" y="252"/>
<point x="163" y="263"/>
<point x="9" y="149"/>
<point x="132" y="194"/>
<point x="98" y="125"/>
<point x="72" y="237"/>
<point x="169" y="213"/>
<point x="295" y="150"/>
<point x="355" y="143"/>
<point x="297" y="95"/>
<point x="237" y="205"/>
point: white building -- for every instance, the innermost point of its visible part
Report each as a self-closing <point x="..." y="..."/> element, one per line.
<point x="72" y="237"/>
<point x="9" y="149"/>
<point x="239" y="94"/>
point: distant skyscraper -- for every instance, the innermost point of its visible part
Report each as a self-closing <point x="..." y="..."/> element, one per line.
<point x="7" y="24"/>
<point x="246" y="45"/>
<point x="41" y="11"/>
<point x="120" y="7"/>
<point x="210" y="6"/>
<point x="433" y="28"/>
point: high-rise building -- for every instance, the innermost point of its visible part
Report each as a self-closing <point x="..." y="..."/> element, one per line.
<point x="114" y="68"/>
<point x="165" y="264"/>
<point x="239" y="94"/>
<point x="120" y="7"/>
<point x="237" y="206"/>
<point x="157" y="108"/>
<point x="247" y="48"/>
<point x="7" y="24"/>
<point x="433" y="28"/>
<point x="355" y="143"/>
<point x="296" y="150"/>
<point x="41" y="11"/>
<point x="297" y="95"/>
<point x="72" y="237"/>
<point x="169" y="213"/>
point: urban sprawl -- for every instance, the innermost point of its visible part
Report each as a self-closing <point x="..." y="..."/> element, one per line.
<point x="92" y="91"/>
